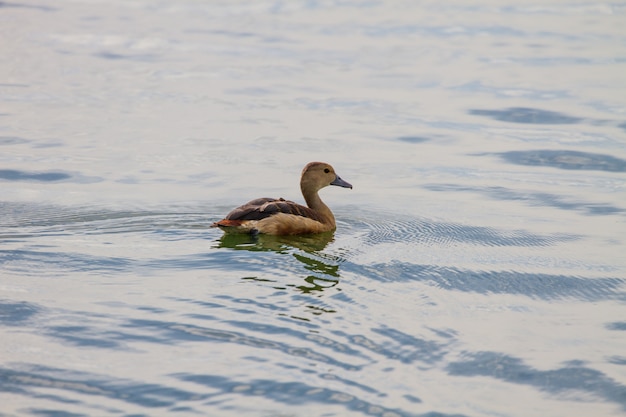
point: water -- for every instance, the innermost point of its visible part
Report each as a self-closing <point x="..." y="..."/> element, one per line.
<point x="477" y="268"/>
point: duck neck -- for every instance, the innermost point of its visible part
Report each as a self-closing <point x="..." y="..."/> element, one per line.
<point x="314" y="202"/>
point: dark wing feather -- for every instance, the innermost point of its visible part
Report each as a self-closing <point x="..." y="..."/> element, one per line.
<point x="265" y="207"/>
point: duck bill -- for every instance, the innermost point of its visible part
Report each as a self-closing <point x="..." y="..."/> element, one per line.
<point x="341" y="183"/>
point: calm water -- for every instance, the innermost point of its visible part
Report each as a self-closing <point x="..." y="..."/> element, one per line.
<point x="478" y="267"/>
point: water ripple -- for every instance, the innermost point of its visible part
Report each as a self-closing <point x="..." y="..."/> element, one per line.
<point x="399" y="346"/>
<point x="527" y="115"/>
<point x="171" y="331"/>
<point x="565" y="159"/>
<point x="30" y="377"/>
<point x="533" y="285"/>
<point x="296" y="392"/>
<point x="431" y="232"/>
<point x="572" y="377"/>
<point x="532" y="198"/>
<point x="17" y="313"/>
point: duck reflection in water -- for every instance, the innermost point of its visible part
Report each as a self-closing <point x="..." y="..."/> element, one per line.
<point x="307" y="249"/>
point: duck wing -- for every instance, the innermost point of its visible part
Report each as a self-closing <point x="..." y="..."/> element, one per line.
<point x="262" y="208"/>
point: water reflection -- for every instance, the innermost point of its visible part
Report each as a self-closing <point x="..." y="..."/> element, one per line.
<point x="307" y="249"/>
<point x="281" y="244"/>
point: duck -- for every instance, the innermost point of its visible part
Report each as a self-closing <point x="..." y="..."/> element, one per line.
<point x="277" y="216"/>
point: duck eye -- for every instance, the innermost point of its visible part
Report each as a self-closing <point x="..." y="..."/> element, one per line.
<point x="326" y="170"/>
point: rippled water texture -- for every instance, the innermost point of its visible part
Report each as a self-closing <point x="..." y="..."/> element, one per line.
<point x="478" y="266"/>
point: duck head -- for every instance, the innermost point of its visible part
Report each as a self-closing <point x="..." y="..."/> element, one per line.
<point x="317" y="175"/>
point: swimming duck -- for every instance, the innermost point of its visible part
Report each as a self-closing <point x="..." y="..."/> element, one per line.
<point x="277" y="216"/>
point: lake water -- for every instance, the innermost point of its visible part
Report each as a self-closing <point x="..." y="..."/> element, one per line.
<point x="478" y="266"/>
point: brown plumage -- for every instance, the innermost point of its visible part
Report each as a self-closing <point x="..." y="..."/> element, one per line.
<point x="277" y="216"/>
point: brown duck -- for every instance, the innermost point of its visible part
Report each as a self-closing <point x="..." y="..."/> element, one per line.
<point x="282" y="217"/>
